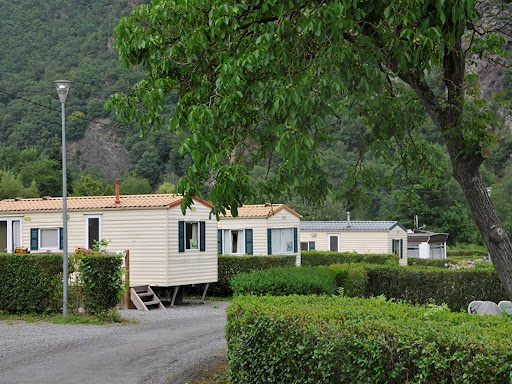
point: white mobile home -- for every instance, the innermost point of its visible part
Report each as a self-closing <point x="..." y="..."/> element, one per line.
<point x="355" y="236"/>
<point x="166" y="247"/>
<point x="261" y="230"/>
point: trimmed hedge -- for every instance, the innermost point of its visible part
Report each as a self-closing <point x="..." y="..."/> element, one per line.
<point x="440" y="263"/>
<point x="30" y="283"/>
<point x="102" y="282"/>
<point x="318" y="258"/>
<point x="230" y="266"/>
<point x="285" y="281"/>
<point x="423" y="285"/>
<point x="331" y="340"/>
<point x="466" y="252"/>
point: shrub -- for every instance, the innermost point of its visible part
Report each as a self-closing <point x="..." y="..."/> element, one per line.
<point x="311" y="339"/>
<point x="30" y="283"/>
<point x="466" y="252"/>
<point x="102" y="282"/>
<point x="285" y="281"/>
<point x="230" y="266"/>
<point x="440" y="263"/>
<point x="422" y="285"/>
<point x="317" y="258"/>
<point x="352" y="278"/>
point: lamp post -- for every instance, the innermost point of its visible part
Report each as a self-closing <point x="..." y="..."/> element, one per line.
<point x="62" y="87"/>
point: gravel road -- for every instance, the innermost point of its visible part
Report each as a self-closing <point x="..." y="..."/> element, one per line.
<point x="160" y="348"/>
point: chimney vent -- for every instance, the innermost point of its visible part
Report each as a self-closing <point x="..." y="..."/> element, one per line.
<point x="118" y="199"/>
<point x="46" y="197"/>
<point x="18" y="198"/>
<point x="348" y="219"/>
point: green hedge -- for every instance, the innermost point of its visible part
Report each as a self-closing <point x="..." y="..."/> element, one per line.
<point x="440" y="263"/>
<point x="422" y="285"/>
<point x="285" y="281"/>
<point x="466" y="252"/>
<point x="317" y="258"/>
<point x="230" y="266"/>
<point x="334" y="340"/>
<point x="102" y="282"/>
<point x="30" y="283"/>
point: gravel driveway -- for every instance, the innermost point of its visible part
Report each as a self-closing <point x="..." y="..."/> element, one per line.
<point x="160" y="348"/>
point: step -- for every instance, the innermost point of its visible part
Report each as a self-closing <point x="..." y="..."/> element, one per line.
<point x="145" y="294"/>
<point x="141" y="289"/>
<point x="154" y="302"/>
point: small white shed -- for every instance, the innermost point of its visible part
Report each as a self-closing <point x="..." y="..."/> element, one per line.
<point x="355" y="236"/>
<point x="166" y="247"/>
<point x="261" y="230"/>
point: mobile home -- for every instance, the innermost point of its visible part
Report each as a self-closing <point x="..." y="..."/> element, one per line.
<point x="261" y="230"/>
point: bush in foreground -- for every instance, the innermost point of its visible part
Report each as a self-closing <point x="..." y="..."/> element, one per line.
<point x="30" y="283"/>
<point x="285" y="281"/>
<point x="319" y="339"/>
<point x="318" y="258"/>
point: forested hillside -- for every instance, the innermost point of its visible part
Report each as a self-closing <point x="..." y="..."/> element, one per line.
<point x="44" y="41"/>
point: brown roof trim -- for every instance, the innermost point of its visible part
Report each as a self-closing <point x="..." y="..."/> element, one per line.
<point x="292" y="211"/>
<point x="201" y="201"/>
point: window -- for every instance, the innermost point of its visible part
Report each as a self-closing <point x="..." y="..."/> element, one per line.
<point x="282" y="241"/>
<point x="307" y="246"/>
<point x="49" y="238"/>
<point x="191" y="236"/>
<point x="396" y="248"/>
<point x="234" y="242"/>
<point x="334" y="241"/>
<point x="10" y="234"/>
<point x="92" y="230"/>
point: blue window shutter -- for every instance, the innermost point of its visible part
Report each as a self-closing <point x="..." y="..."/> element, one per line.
<point x="61" y="238"/>
<point x="295" y="240"/>
<point x="269" y="241"/>
<point x="181" y="236"/>
<point x="401" y="248"/>
<point x="248" y="242"/>
<point x="34" y="239"/>
<point x="202" y="236"/>
<point x="219" y="241"/>
<point x="311" y="245"/>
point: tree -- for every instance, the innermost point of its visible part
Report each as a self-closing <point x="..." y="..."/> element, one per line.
<point x="134" y="185"/>
<point x="11" y="186"/>
<point x="87" y="186"/>
<point x="166" y="187"/>
<point x="259" y="79"/>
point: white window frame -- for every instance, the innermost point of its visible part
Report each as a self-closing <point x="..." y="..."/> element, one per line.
<point x="287" y="252"/>
<point x="198" y="236"/>
<point x="329" y="241"/>
<point x="100" y="232"/>
<point x="40" y="247"/>
<point x="9" y="221"/>
<point x="229" y="251"/>
<point x="308" y="243"/>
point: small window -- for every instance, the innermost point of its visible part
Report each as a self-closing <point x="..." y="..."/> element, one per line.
<point x="234" y="242"/>
<point x="396" y="247"/>
<point x="49" y="239"/>
<point x="334" y="243"/>
<point x="304" y="246"/>
<point x="191" y="235"/>
<point x="93" y="230"/>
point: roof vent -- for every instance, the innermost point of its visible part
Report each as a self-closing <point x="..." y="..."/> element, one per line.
<point x="268" y="204"/>
<point x="46" y="197"/>
<point x="118" y="198"/>
<point x="348" y="219"/>
<point x="18" y="198"/>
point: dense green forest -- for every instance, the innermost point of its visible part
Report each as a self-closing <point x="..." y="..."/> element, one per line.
<point x="44" y="41"/>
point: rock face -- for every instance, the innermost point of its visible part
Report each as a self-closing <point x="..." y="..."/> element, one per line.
<point x="100" y="147"/>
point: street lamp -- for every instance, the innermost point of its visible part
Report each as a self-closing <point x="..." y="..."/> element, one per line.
<point x="62" y="87"/>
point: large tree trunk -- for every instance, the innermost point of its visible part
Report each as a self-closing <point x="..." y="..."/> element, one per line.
<point x="486" y="218"/>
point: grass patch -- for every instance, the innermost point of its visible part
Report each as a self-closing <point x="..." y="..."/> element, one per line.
<point x="107" y="319"/>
